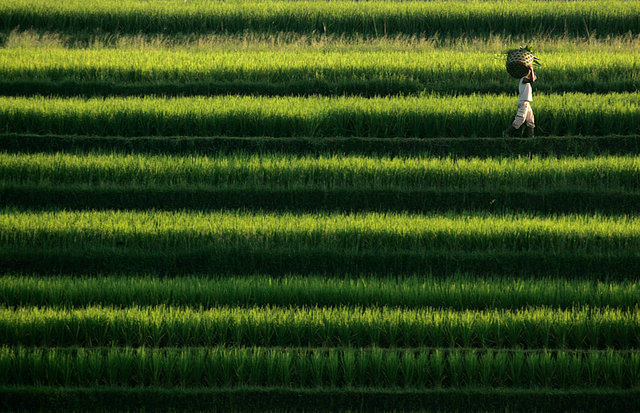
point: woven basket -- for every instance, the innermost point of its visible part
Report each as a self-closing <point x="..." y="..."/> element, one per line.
<point x="518" y="61"/>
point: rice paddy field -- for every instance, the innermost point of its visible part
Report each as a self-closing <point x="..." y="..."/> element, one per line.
<point x="308" y="205"/>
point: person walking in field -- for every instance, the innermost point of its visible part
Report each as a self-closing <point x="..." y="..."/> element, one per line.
<point x="525" y="113"/>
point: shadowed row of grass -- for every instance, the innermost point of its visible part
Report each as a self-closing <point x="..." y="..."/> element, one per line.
<point x="314" y="198"/>
<point x="242" y="399"/>
<point x="554" y="146"/>
<point x="333" y="368"/>
<point x="455" y="291"/>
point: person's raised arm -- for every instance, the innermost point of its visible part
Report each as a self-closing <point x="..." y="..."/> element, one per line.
<point x="533" y="74"/>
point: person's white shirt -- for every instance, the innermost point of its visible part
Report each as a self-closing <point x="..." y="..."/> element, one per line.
<point x="525" y="89"/>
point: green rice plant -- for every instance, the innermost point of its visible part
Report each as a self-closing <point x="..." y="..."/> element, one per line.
<point x="426" y="116"/>
<point x="99" y="326"/>
<point x="103" y="72"/>
<point x="517" y="368"/>
<point x="349" y="368"/>
<point x="324" y="172"/>
<point x="431" y="368"/>
<point x="374" y="18"/>
<point x="408" y="367"/>
<point x="317" y="368"/>
<point x="456" y="369"/>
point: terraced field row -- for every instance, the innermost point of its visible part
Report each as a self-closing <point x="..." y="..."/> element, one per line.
<point x="576" y="18"/>
<point x="455" y="292"/>
<point x="613" y="172"/>
<point x="364" y="367"/>
<point x="311" y="327"/>
<point x="104" y="72"/>
<point x="424" y="117"/>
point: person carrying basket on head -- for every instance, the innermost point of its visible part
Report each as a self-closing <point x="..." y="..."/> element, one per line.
<point x="524" y="113"/>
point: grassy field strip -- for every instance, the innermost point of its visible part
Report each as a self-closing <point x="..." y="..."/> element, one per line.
<point x="243" y="399"/>
<point x="242" y="242"/>
<point x="115" y="71"/>
<point x="456" y="291"/>
<point x="428" y="116"/>
<point x="580" y="18"/>
<point x="554" y="146"/>
<point x="226" y="367"/>
<point x="317" y="198"/>
<point x="596" y="173"/>
<point x="547" y="44"/>
<point x="276" y="326"/>
<point x="351" y="232"/>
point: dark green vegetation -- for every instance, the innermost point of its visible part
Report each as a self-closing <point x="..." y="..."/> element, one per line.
<point x="455" y="291"/>
<point x="307" y="206"/>
<point x="319" y="367"/>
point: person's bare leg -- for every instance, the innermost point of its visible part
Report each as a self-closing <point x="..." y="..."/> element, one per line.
<point x="518" y="121"/>
<point x="531" y="123"/>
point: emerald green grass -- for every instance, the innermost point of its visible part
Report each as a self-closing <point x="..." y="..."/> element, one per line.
<point x="305" y="183"/>
<point x="585" y="328"/>
<point x="93" y="242"/>
<point x="456" y="291"/>
<point x="582" y="18"/>
<point x="358" y="172"/>
<point x="428" y="116"/>
<point x="351" y="232"/>
<point x="345" y="368"/>
<point x="114" y="71"/>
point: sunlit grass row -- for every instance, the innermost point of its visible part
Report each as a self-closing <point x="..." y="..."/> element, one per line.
<point x="547" y="44"/>
<point x="376" y="17"/>
<point x="34" y="70"/>
<point x="455" y="291"/>
<point x="283" y="171"/>
<point x="426" y="116"/>
<point x="581" y="328"/>
<point x="366" y="231"/>
<point x="333" y="368"/>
